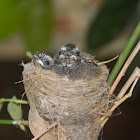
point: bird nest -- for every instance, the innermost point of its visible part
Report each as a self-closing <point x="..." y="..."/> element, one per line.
<point x="75" y="105"/>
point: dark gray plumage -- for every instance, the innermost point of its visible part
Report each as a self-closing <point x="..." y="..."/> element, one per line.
<point x="74" y="64"/>
<point x="70" y="62"/>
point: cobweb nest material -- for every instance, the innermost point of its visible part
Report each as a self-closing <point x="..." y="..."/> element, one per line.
<point x="76" y="104"/>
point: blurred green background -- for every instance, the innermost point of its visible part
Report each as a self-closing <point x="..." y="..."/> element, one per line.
<point x="100" y="27"/>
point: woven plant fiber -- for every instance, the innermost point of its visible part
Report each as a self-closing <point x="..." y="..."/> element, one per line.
<point x="75" y="104"/>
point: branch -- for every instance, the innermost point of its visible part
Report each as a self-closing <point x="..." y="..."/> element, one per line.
<point x="14" y="101"/>
<point x="134" y="75"/>
<point x="13" y="122"/>
<point x="121" y="98"/>
<point x="126" y="65"/>
<point x="120" y="101"/>
<point x="124" y="55"/>
<point x="108" y="61"/>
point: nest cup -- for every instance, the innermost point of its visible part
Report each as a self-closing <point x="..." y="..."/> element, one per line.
<point x="76" y="104"/>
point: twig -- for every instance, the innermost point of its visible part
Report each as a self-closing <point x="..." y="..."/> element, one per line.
<point x="25" y="93"/>
<point x="124" y="55"/>
<point x="27" y="79"/>
<point x="134" y="75"/>
<point x="133" y="78"/>
<point x="121" y="100"/>
<point x="14" y="122"/>
<point x="14" y="101"/>
<point x="104" y="62"/>
<point x="126" y="65"/>
<point x="45" y="131"/>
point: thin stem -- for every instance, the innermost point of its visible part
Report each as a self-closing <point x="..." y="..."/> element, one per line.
<point x="121" y="101"/>
<point x="108" y="61"/>
<point x="126" y="65"/>
<point x="13" y="122"/>
<point x="14" y="101"/>
<point x="121" y="98"/>
<point x="133" y="76"/>
<point x="124" y="55"/>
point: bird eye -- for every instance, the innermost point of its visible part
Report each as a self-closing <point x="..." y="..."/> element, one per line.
<point x="77" y="53"/>
<point x="47" y="62"/>
<point x="60" y="53"/>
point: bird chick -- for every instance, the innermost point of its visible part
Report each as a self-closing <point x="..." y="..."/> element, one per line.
<point x="43" y="60"/>
<point x="74" y="64"/>
<point x="68" y="56"/>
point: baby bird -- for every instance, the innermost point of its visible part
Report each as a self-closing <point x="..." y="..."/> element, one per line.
<point x="74" y="64"/>
<point x="68" y="56"/>
<point x="69" y="61"/>
<point x="43" y="60"/>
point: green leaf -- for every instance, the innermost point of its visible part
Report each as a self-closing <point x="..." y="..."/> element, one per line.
<point x="1" y="105"/>
<point x="9" y="17"/>
<point x="36" y="18"/>
<point x="111" y="19"/>
<point x="14" y="110"/>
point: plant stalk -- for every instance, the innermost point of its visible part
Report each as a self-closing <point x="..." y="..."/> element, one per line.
<point x="14" y="101"/>
<point x="124" y="55"/>
<point x="13" y="122"/>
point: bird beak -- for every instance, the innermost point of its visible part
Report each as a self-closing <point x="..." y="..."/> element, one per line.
<point x="36" y="60"/>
